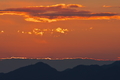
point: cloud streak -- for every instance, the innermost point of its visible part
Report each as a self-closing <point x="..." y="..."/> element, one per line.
<point x="57" y="12"/>
<point x="111" y="6"/>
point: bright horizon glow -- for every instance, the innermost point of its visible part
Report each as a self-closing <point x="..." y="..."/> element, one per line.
<point x="48" y="58"/>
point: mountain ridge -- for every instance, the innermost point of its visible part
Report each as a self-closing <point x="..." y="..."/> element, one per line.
<point x="42" y="71"/>
<point x="60" y="65"/>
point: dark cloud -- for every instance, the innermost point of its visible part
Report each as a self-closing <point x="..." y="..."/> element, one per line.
<point x="103" y="14"/>
<point x="56" y="12"/>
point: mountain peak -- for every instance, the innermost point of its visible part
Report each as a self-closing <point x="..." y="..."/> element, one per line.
<point x="41" y="64"/>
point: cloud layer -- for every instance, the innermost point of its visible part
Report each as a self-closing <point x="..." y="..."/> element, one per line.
<point x="57" y="12"/>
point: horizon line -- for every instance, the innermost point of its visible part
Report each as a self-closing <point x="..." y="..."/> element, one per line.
<point x="49" y="58"/>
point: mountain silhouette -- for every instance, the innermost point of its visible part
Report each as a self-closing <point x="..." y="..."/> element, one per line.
<point x="60" y="65"/>
<point x="116" y="63"/>
<point x="42" y="71"/>
<point x="39" y="71"/>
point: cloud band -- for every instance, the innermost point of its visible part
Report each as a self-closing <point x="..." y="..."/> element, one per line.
<point x="57" y="12"/>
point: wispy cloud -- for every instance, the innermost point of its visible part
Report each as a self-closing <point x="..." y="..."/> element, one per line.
<point x="57" y="12"/>
<point x="105" y="6"/>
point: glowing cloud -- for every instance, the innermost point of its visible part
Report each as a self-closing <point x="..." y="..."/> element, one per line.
<point x="1" y="32"/>
<point x="57" y="12"/>
<point x="42" y="32"/>
<point x="111" y="6"/>
<point x="106" y="6"/>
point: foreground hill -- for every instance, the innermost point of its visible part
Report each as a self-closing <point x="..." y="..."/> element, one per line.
<point x="42" y="71"/>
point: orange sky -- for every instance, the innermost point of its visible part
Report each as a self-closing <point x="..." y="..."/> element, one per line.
<point x="70" y="29"/>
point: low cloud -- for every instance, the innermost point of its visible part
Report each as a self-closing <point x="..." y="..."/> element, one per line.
<point x="57" y="12"/>
<point x="105" y="6"/>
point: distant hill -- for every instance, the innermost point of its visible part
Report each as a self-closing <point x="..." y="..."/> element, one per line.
<point x="42" y="71"/>
<point x="39" y="71"/>
<point x="12" y="64"/>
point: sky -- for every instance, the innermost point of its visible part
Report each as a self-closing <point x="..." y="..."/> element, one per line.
<point x="60" y="28"/>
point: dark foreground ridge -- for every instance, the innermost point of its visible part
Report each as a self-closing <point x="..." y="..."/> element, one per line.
<point x="42" y="71"/>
